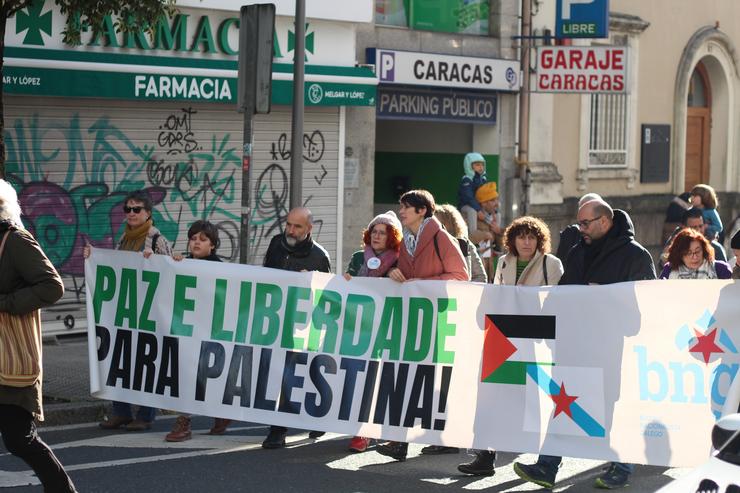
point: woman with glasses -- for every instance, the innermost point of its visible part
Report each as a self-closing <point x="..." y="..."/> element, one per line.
<point x="381" y="242"/>
<point x="139" y="235"/>
<point x="691" y="256"/>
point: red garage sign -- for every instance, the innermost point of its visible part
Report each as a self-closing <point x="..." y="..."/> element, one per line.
<point x="585" y="69"/>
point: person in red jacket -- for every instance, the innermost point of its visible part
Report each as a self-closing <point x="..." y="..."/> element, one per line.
<point x="427" y="252"/>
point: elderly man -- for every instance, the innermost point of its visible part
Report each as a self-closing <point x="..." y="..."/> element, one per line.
<point x="606" y="253"/>
<point x="294" y="250"/>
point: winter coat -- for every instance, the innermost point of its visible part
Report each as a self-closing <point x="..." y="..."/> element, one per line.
<point x="304" y="255"/>
<point x="28" y="281"/>
<point x="427" y="263"/>
<point x="470" y="181"/>
<point x="736" y="272"/>
<point x="621" y="258"/>
<point x="534" y="272"/>
<point x="720" y="267"/>
<point x="473" y="260"/>
<point x="568" y="238"/>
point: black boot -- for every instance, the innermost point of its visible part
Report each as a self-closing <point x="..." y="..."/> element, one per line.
<point x="482" y="465"/>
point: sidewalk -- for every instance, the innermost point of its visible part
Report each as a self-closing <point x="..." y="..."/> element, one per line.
<point x="66" y="386"/>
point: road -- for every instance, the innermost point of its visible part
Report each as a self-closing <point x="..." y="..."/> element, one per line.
<point x="119" y="461"/>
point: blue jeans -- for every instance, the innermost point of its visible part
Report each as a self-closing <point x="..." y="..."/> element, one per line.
<point x="123" y="409"/>
<point x="551" y="463"/>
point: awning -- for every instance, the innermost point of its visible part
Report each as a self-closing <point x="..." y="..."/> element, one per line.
<point x="93" y="74"/>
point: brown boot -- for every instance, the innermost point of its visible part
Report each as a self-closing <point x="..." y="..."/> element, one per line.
<point x="180" y="431"/>
<point x="219" y="426"/>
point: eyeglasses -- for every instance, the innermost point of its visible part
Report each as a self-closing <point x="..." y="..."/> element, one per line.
<point x="587" y="222"/>
<point x="135" y="210"/>
<point x="694" y="253"/>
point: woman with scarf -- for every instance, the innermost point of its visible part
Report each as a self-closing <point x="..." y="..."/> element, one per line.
<point x="691" y="256"/>
<point x="139" y="235"/>
<point x="381" y="244"/>
<point x="427" y="252"/>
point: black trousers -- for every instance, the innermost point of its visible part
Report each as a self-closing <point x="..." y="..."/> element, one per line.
<point x="21" y="440"/>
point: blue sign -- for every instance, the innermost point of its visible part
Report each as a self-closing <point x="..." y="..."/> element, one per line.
<point x="582" y="19"/>
<point x="441" y="106"/>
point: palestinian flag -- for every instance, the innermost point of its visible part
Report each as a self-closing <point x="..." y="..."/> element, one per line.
<point x="514" y="341"/>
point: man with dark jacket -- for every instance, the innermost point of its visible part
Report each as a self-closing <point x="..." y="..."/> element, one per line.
<point x="294" y="250"/>
<point x="606" y="253"/>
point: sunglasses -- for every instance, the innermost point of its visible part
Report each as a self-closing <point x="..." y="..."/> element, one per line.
<point x="135" y="210"/>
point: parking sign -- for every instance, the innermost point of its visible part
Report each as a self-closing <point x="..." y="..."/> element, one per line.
<point x="582" y="19"/>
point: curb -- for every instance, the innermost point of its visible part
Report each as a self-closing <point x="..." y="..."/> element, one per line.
<point x="69" y="413"/>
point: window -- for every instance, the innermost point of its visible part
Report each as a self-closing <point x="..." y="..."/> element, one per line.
<point x="608" y="130"/>
<point x="451" y="16"/>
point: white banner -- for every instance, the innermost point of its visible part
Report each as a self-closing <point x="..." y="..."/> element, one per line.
<point x="634" y="372"/>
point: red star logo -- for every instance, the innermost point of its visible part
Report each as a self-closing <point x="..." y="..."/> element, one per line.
<point x="563" y="402"/>
<point x="705" y="345"/>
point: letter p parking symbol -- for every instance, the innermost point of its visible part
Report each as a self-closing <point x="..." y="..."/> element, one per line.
<point x="386" y="63"/>
<point x="566" y="5"/>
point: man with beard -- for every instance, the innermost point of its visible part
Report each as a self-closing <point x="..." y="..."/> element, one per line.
<point x="606" y="253"/>
<point x="294" y="250"/>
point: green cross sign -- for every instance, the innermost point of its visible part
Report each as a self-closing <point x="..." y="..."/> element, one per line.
<point x="309" y="41"/>
<point x="35" y="22"/>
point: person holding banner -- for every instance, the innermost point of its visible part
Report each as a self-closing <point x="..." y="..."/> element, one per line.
<point x="294" y="250"/>
<point x="139" y="235"/>
<point x="691" y="256"/>
<point x="28" y="281"/>
<point x="427" y="252"/>
<point x="382" y="242"/>
<point x="454" y="224"/>
<point x="203" y="241"/>
<point x="606" y="253"/>
<point x="527" y="262"/>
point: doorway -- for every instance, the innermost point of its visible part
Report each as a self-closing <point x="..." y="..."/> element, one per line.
<point x="698" y="128"/>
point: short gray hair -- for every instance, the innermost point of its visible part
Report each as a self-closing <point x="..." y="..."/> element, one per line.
<point x="10" y="209"/>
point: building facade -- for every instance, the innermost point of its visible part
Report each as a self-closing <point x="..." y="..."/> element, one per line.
<point x="675" y="125"/>
<point x="85" y="125"/>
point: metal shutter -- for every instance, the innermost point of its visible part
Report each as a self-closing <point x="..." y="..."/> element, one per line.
<point x="73" y="160"/>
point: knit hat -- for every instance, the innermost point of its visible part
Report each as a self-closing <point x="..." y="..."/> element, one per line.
<point x="735" y="242"/>
<point x="486" y="192"/>
<point x="388" y="218"/>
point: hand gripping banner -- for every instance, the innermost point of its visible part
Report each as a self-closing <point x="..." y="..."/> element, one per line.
<point x="635" y="372"/>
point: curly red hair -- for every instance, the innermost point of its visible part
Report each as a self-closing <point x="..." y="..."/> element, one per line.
<point x="682" y="243"/>
<point x="392" y="240"/>
<point x="527" y="225"/>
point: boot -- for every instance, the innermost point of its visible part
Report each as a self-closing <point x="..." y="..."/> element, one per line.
<point x="396" y="450"/>
<point x="482" y="465"/>
<point x="180" y="431"/>
<point x="219" y="426"/>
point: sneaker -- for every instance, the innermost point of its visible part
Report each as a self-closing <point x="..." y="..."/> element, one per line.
<point x="275" y="439"/>
<point x="138" y="425"/>
<point x="482" y="465"/>
<point x="114" y="422"/>
<point x="359" y="444"/>
<point x="613" y="478"/>
<point x="396" y="450"/>
<point x="536" y="474"/>
<point x="439" y="450"/>
<point x="180" y="431"/>
<point x="219" y="426"/>
<point x="315" y="434"/>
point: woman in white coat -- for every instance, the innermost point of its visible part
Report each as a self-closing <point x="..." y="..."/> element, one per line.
<point x="527" y="263"/>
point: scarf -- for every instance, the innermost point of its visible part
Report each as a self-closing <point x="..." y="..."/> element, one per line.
<point x="705" y="271"/>
<point x="387" y="260"/>
<point x="133" y="238"/>
<point x="410" y="240"/>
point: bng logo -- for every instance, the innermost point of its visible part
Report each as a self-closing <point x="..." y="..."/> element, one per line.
<point x="682" y="382"/>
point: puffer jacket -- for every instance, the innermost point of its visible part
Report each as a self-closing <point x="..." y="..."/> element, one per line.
<point x="426" y="263"/>
<point x="470" y="181"/>
<point x="621" y="258"/>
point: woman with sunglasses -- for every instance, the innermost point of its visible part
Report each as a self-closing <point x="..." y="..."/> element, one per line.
<point x="691" y="256"/>
<point x="139" y="235"/>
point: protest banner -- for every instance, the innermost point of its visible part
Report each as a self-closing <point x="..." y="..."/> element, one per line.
<point x="635" y="372"/>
